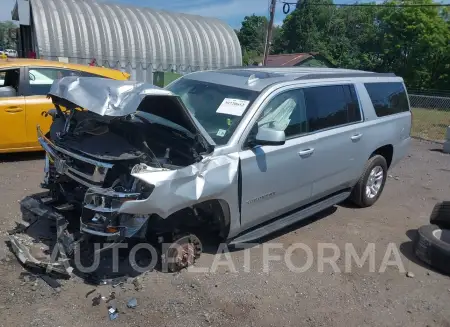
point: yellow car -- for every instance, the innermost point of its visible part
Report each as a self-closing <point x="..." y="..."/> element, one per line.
<point x="24" y="84"/>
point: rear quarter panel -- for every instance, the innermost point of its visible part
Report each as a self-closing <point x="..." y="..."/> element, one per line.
<point x="380" y="131"/>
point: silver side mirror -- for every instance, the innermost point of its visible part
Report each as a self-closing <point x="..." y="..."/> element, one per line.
<point x="269" y="136"/>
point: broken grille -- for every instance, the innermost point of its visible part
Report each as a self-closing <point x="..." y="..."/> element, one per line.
<point x="86" y="171"/>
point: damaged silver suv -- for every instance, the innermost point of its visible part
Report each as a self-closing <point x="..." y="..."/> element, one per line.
<point x="239" y="152"/>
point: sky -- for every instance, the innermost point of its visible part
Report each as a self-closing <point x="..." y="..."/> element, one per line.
<point x="231" y="11"/>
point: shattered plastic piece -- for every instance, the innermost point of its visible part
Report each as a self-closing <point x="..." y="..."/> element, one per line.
<point x="50" y="281"/>
<point x="24" y="255"/>
<point x="113" y="313"/>
<point x="132" y="303"/>
<point x="118" y="281"/>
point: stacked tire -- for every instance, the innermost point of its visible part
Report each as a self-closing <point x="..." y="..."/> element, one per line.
<point x="432" y="244"/>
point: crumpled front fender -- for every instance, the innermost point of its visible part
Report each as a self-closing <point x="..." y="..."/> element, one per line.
<point x="215" y="177"/>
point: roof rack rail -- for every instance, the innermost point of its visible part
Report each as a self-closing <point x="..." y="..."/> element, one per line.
<point x="262" y="67"/>
<point x="343" y="75"/>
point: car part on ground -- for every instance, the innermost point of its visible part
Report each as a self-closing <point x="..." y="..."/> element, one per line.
<point x="432" y="246"/>
<point x="23" y="246"/>
<point x="441" y="215"/>
<point x="36" y="249"/>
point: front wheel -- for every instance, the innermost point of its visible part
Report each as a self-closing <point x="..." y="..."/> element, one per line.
<point x="371" y="183"/>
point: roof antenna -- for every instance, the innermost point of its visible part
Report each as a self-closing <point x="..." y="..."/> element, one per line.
<point x="252" y="79"/>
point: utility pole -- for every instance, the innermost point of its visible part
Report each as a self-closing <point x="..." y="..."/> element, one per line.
<point x="269" y="31"/>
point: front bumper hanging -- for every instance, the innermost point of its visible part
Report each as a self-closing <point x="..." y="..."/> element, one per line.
<point x="35" y="210"/>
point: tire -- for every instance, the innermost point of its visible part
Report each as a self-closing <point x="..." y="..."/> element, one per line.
<point x="358" y="195"/>
<point x="432" y="250"/>
<point x="441" y="215"/>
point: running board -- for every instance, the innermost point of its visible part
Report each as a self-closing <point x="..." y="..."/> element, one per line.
<point x="281" y="223"/>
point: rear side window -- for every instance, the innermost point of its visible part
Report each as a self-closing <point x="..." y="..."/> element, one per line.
<point x="331" y="106"/>
<point x="388" y="98"/>
<point x="40" y="80"/>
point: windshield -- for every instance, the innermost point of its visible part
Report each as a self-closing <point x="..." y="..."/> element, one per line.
<point x="218" y="108"/>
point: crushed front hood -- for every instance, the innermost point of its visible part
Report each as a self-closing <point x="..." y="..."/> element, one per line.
<point x="107" y="97"/>
<point x="103" y="96"/>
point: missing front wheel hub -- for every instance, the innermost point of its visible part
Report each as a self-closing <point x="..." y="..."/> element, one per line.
<point x="182" y="253"/>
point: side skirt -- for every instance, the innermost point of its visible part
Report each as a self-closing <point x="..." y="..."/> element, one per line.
<point x="289" y="219"/>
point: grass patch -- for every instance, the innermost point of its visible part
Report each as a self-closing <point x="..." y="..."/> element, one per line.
<point x="430" y="124"/>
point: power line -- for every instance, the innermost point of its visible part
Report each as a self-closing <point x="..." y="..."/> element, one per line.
<point x="367" y="4"/>
<point x="287" y="5"/>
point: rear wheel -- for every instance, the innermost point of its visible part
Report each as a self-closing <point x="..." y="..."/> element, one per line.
<point x="371" y="183"/>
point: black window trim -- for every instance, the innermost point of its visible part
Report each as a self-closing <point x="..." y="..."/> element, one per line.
<point x="297" y="87"/>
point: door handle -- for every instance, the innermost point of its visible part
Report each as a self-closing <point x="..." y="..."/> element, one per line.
<point x="356" y="137"/>
<point x="13" y="109"/>
<point x="306" y="152"/>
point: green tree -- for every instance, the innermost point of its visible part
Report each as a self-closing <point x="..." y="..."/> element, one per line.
<point x="305" y="29"/>
<point x="252" y="36"/>
<point x="415" y="43"/>
<point x="5" y="40"/>
<point x="362" y="35"/>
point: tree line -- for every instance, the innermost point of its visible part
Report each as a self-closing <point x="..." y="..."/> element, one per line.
<point x="413" y="42"/>
<point x="6" y="40"/>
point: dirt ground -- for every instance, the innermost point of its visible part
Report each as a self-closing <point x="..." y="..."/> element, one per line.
<point x="250" y="296"/>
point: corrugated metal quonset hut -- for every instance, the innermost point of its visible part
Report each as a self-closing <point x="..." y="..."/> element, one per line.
<point x="137" y="40"/>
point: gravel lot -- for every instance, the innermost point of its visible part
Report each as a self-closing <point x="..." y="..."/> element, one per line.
<point x="277" y="298"/>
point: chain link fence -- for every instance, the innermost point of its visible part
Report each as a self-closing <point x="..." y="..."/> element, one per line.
<point x="431" y="113"/>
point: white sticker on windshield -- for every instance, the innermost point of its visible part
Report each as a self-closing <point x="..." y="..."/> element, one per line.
<point x="221" y="132"/>
<point x="235" y="107"/>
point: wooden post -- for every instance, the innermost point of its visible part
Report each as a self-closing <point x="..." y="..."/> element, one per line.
<point x="269" y="31"/>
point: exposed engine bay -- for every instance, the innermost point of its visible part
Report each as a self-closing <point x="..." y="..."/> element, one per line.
<point x="124" y="142"/>
<point x="142" y="135"/>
